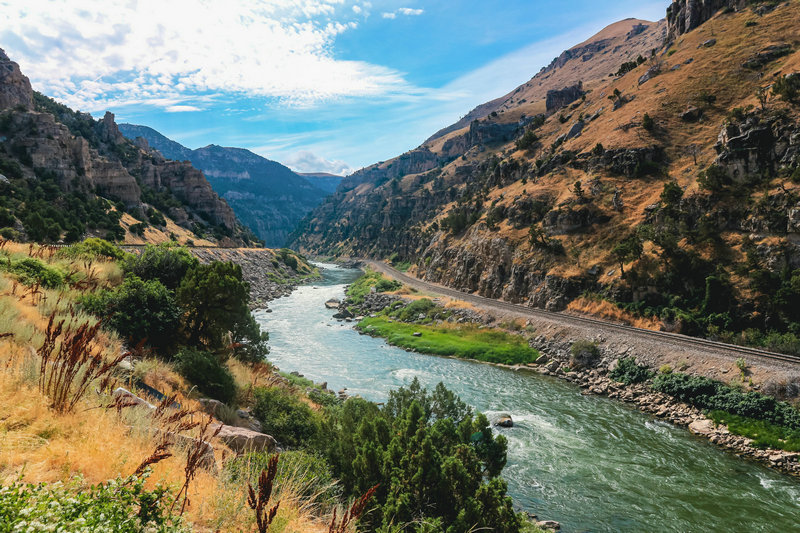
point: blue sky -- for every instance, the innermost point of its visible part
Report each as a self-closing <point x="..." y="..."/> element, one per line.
<point x="320" y="85"/>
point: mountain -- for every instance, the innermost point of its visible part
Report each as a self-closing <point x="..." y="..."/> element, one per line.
<point x="651" y="171"/>
<point x="322" y="180"/>
<point x="266" y="196"/>
<point x="66" y="175"/>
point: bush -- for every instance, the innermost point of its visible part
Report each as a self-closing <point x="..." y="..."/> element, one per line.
<point x="208" y="373"/>
<point x="94" y="247"/>
<point x="628" y="372"/>
<point x="387" y="285"/>
<point x="648" y="123"/>
<point x="787" y="87"/>
<point x="30" y="271"/>
<point x="121" y="505"/>
<point x="284" y="416"/>
<point x="142" y="310"/>
<point x="584" y="354"/>
<point x="166" y="263"/>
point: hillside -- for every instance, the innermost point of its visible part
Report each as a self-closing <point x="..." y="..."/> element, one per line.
<point x="322" y="180"/>
<point x="66" y="175"/>
<point x="266" y="196"/>
<point x="663" y="187"/>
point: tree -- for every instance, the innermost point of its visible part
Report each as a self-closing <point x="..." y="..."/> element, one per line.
<point x="648" y="123"/>
<point x="215" y="302"/>
<point x="629" y="249"/>
<point x="787" y="87"/>
<point x="671" y="195"/>
<point x="167" y="263"/>
<point x="141" y="310"/>
<point x="577" y="190"/>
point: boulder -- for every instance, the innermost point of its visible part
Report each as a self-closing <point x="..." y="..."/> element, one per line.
<point x="703" y="426"/>
<point x="548" y="524"/>
<point x="556" y="99"/>
<point x="242" y="440"/>
<point x="333" y="303"/>
<point x="342" y="314"/>
<point x="210" y="406"/>
<point x="576" y="129"/>
<point x="131" y="397"/>
<point x="692" y="114"/>
<point x="504" y="421"/>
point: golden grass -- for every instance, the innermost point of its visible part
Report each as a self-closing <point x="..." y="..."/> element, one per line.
<point x="608" y="311"/>
<point x="93" y="442"/>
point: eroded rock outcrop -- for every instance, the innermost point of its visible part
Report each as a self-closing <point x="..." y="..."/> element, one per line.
<point x="685" y="15"/>
<point x="556" y="99"/>
<point x="15" y="88"/>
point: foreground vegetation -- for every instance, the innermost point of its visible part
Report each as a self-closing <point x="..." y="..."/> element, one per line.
<point x="78" y="456"/>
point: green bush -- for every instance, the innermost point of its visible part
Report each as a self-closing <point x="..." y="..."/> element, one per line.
<point x="287" y="418"/>
<point x="208" y="373"/>
<point x="93" y="248"/>
<point x="628" y="372"/>
<point x="764" y="434"/>
<point x="584" y="353"/>
<point x="121" y="505"/>
<point x="387" y="285"/>
<point x="166" y="263"/>
<point x="140" y="310"/>
<point x="707" y="394"/>
<point x="30" y="271"/>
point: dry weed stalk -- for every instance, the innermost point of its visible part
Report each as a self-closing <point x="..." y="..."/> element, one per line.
<point x="196" y="457"/>
<point x="258" y="502"/>
<point x="353" y="514"/>
<point x="158" y="455"/>
<point x="70" y="364"/>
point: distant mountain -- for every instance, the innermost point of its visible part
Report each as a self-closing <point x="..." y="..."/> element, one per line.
<point x="65" y="176"/>
<point x="266" y="196"/>
<point x="323" y="180"/>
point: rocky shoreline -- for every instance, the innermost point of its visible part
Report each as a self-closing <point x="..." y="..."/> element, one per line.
<point x="556" y="357"/>
<point x="266" y="270"/>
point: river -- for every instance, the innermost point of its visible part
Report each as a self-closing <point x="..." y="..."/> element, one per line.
<point x="591" y="463"/>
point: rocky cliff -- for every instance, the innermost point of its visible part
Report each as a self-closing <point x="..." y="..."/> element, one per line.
<point x="686" y="15"/>
<point x="667" y="187"/>
<point x="266" y="196"/>
<point x="45" y="142"/>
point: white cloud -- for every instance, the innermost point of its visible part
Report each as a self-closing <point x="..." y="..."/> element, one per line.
<point x="356" y="9"/>
<point x="306" y="161"/>
<point x="407" y="11"/>
<point x="181" y="108"/>
<point x="97" y="53"/>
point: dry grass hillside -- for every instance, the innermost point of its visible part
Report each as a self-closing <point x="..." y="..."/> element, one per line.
<point x="543" y="209"/>
<point x="99" y="439"/>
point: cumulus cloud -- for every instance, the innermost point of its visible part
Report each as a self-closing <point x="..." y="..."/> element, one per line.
<point x="96" y="53"/>
<point x="306" y="161"/>
<point x="407" y="11"/>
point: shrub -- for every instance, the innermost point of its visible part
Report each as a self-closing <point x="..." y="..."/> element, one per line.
<point x="527" y="141"/>
<point x="94" y="247"/>
<point x="142" y="310"/>
<point x="628" y="372"/>
<point x="30" y="271"/>
<point x="208" y="373"/>
<point x="787" y="87"/>
<point x="118" y="505"/>
<point x="648" y="123"/>
<point x="166" y="263"/>
<point x="584" y="354"/>
<point x="285" y="417"/>
<point x="387" y="285"/>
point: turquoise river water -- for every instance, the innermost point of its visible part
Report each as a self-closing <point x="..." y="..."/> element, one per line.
<point x="591" y="463"/>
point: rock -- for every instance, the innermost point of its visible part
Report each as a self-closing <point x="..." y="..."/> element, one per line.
<point x="131" y="397"/>
<point x="651" y="73"/>
<point x="685" y="15"/>
<point x="504" y="421"/>
<point x="417" y="334"/>
<point x="767" y="55"/>
<point x="575" y="130"/>
<point x="548" y="524"/>
<point x="552" y="366"/>
<point x="709" y="43"/>
<point x="15" y="88"/>
<point x="703" y="426"/>
<point x="692" y="114"/>
<point x="558" y="98"/>
<point x="343" y="313"/>
<point x="243" y="440"/>
<point x="210" y="406"/>
<point x="333" y="303"/>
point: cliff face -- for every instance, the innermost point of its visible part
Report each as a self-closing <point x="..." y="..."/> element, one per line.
<point x="686" y="15"/>
<point x="44" y="140"/>
<point x="620" y="193"/>
<point x="266" y="196"/>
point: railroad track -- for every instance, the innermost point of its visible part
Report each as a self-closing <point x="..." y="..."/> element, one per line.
<point x="673" y="338"/>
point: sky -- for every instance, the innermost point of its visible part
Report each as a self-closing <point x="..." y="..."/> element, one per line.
<point x="319" y="85"/>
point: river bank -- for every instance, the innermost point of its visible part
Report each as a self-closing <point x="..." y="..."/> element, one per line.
<point x="558" y="360"/>
<point x="587" y="461"/>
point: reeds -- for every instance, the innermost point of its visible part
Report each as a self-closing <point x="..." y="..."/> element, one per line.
<point x="259" y="501"/>
<point x="70" y="363"/>
<point x="353" y="514"/>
